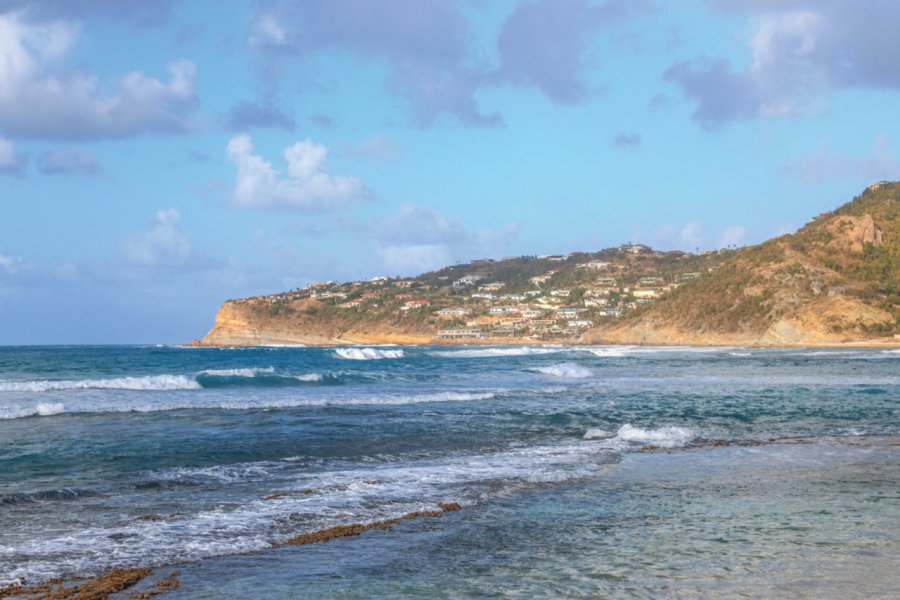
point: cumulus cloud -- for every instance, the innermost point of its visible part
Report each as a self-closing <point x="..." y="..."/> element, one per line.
<point x="246" y="115"/>
<point x="67" y="161"/>
<point x="417" y="239"/>
<point x="412" y="259"/>
<point x="10" y="264"/>
<point x="824" y="165"/>
<point x="425" y="47"/>
<point x="378" y="149"/>
<point x="162" y="245"/>
<point x="306" y="184"/>
<point x="11" y="161"/>
<point x="544" y="44"/>
<point x="627" y="140"/>
<point x="692" y="234"/>
<point x="732" y="235"/>
<point x="414" y="225"/>
<point x="799" y="51"/>
<point x="40" y="99"/>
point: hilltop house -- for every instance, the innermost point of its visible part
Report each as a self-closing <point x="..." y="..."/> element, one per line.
<point x="579" y="323"/>
<point x="456" y="334"/>
<point x="454" y="312"/>
<point x="467" y="280"/>
<point x="686" y="276"/>
<point x="596" y="265"/>
<point x="413" y="304"/>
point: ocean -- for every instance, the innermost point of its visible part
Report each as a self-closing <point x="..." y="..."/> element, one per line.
<point x="580" y="472"/>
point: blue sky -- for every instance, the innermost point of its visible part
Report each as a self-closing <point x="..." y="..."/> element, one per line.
<point x="159" y="157"/>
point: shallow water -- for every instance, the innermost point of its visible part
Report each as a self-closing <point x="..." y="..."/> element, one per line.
<point x="581" y="471"/>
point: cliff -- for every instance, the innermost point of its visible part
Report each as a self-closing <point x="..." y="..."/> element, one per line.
<point x="255" y="322"/>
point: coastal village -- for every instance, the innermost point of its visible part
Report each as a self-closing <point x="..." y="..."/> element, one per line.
<point x="553" y="298"/>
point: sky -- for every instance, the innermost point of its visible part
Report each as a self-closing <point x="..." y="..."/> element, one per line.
<point x="157" y="158"/>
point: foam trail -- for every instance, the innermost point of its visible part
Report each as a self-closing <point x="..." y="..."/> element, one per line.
<point x="149" y="382"/>
<point x="567" y="370"/>
<point x="347" y="495"/>
<point x="246" y="372"/>
<point x="490" y="352"/>
<point x="367" y="353"/>
<point x="610" y="352"/>
<point x="308" y="377"/>
<point x="595" y="433"/>
<point x="200" y="402"/>
<point x="665" y="437"/>
<point x="41" y="409"/>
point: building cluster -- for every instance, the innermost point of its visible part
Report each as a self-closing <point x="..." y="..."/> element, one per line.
<point x="575" y="292"/>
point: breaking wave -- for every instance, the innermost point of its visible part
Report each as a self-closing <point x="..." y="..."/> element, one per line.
<point x="489" y="352"/>
<point x="629" y="435"/>
<point x="568" y="370"/>
<point x="249" y="372"/>
<point x="216" y="403"/>
<point x="666" y="437"/>
<point x="367" y="353"/>
<point x="41" y="409"/>
<point x="149" y="382"/>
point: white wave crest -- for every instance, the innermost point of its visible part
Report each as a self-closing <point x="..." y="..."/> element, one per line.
<point x="149" y="382"/>
<point x="308" y="377"/>
<point x="246" y="372"/>
<point x="568" y="370"/>
<point x="489" y="352"/>
<point x="105" y="405"/>
<point x="367" y="353"/>
<point x="41" y="409"/>
<point x="666" y="437"/>
<point x="595" y="433"/>
<point x="610" y="352"/>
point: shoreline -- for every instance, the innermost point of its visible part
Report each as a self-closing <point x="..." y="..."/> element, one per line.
<point x="506" y="342"/>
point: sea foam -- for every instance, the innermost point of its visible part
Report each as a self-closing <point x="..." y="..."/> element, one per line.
<point x="149" y="382"/>
<point x="665" y="437"/>
<point x="491" y="352"/>
<point x="212" y="403"/>
<point x="244" y="372"/>
<point x="568" y="370"/>
<point x="367" y="353"/>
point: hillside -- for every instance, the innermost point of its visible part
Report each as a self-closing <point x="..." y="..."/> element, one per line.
<point x="836" y="280"/>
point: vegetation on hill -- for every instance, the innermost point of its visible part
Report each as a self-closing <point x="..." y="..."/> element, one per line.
<point x="846" y="262"/>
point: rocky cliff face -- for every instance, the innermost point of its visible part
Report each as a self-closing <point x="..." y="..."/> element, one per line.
<point x="252" y="322"/>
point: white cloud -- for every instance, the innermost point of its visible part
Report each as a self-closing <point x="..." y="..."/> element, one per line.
<point x="733" y="235"/>
<point x="11" y="162"/>
<point x="692" y="234"/>
<point x="798" y="53"/>
<point x="413" y="259"/>
<point x="163" y="244"/>
<point x="307" y="185"/>
<point x="66" y="161"/>
<point x="40" y="99"/>
<point x="823" y="165"/>
<point x="10" y="264"/>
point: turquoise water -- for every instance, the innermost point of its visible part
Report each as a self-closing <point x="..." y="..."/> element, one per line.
<point x="582" y="472"/>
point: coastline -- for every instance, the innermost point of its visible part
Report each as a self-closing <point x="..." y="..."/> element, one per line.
<point x="309" y="342"/>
